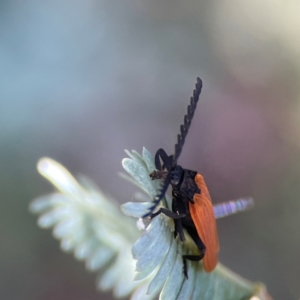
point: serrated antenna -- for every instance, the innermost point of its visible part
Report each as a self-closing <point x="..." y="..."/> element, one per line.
<point x="159" y="196"/>
<point x="184" y="128"/>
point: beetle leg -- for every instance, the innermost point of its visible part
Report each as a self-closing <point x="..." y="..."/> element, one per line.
<point x="168" y="213"/>
<point x="200" y="245"/>
<point x="177" y="221"/>
<point x="179" y="230"/>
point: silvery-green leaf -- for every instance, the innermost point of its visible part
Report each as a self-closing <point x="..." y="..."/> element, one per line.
<point x="99" y="258"/>
<point x="232" y="207"/>
<point x="122" y="288"/>
<point x="130" y="179"/>
<point x="84" y="250"/>
<point x="60" y="177"/>
<point x="231" y="285"/>
<point x="168" y="274"/>
<point x="147" y="237"/>
<point x="188" y="285"/>
<point x="50" y="218"/>
<point x="67" y="244"/>
<point x="164" y="271"/>
<point x="150" y="255"/>
<point x="109" y="278"/>
<point x="158" y="248"/>
<point x="125" y="284"/>
<point x="89" y="224"/>
<point x="140" y="293"/>
<point x="140" y="174"/>
<point x="45" y="202"/>
<point x="136" y="157"/>
<point x="142" y="197"/>
<point x="115" y="239"/>
<point x="206" y="279"/>
<point x="136" y="154"/>
<point x="65" y="228"/>
<point x="140" y="275"/>
<point x="175" y="280"/>
<point x="149" y="160"/>
<point x="103" y="237"/>
<point x="134" y="209"/>
<point x="89" y="185"/>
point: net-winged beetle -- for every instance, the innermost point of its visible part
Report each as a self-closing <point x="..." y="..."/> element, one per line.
<point x="192" y="209"/>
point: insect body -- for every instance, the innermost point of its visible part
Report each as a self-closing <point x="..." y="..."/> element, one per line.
<point x="192" y="209"/>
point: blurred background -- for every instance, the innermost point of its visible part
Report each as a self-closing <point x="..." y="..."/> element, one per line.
<point x="83" y="80"/>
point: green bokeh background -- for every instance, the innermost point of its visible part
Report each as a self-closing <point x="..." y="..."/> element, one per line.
<point x="83" y="80"/>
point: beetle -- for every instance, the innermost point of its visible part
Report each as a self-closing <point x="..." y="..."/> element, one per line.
<point x="192" y="208"/>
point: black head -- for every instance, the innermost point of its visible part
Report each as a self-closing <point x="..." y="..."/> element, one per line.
<point x="176" y="175"/>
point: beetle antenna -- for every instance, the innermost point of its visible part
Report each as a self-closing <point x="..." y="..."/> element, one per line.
<point x="159" y="196"/>
<point x="184" y="128"/>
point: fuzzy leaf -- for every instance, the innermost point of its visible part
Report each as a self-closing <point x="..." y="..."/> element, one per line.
<point x="140" y="174"/>
<point x="149" y="160"/>
<point x="100" y="237"/>
<point x="134" y="209"/>
<point x="158" y="254"/>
